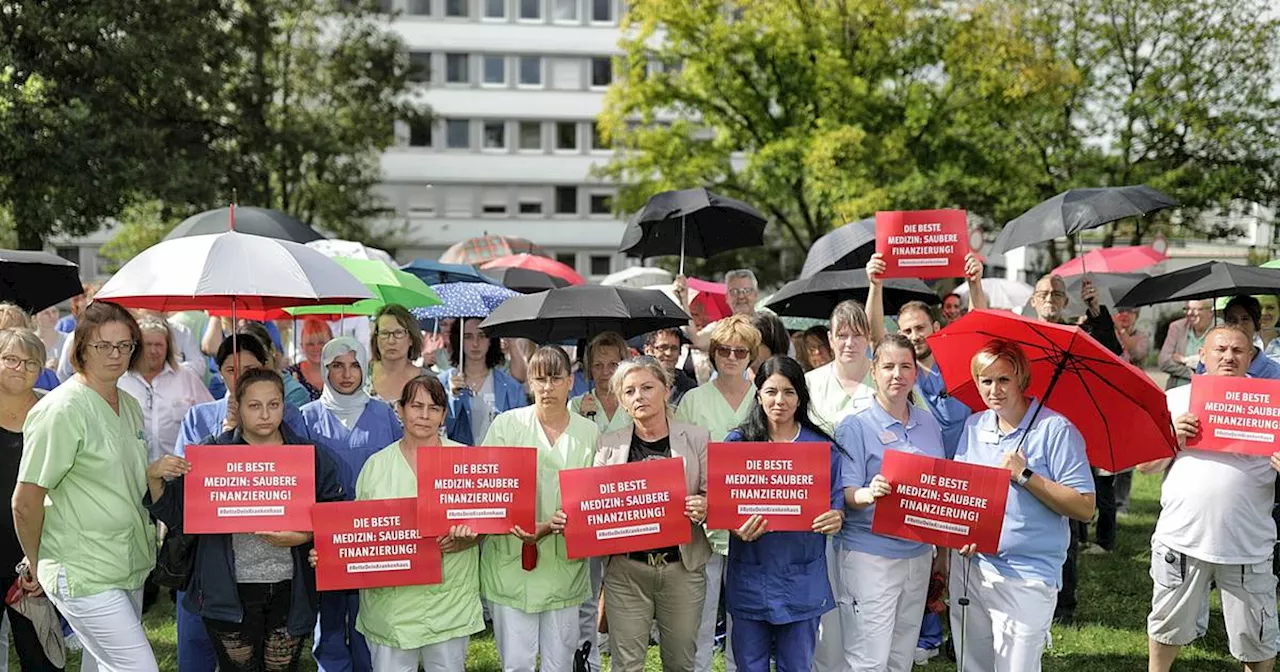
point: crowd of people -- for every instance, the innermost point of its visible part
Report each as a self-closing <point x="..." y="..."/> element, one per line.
<point x="98" y="409"/>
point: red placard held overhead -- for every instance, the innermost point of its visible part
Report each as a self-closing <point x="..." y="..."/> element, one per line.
<point x="789" y="484"/>
<point x="373" y="544"/>
<point x="249" y="489"/>
<point x="489" y="489"/>
<point x="624" y="508"/>
<point x="922" y="243"/>
<point x="941" y="502"/>
<point x="1237" y="415"/>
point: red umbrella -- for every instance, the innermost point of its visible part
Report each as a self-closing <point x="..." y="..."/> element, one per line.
<point x="1120" y="411"/>
<point x="712" y="295"/>
<point x="1112" y="260"/>
<point x="535" y="263"/>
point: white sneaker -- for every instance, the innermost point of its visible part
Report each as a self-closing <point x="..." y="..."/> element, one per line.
<point x="924" y="655"/>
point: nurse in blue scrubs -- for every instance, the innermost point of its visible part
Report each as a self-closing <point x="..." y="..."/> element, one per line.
<point x="354" y="426"/>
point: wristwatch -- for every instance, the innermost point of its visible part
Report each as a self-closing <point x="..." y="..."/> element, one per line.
<point x="1025" y="476"/>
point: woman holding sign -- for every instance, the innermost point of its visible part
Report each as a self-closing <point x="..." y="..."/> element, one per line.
<point x="255" y="592"/>
<point x="776" y="587"/>
<point x="431" y="625"/>
<point x="666" y="583"/>
<point x="883" y="581"/>
<point x="534" y="590"/>
<point x="1012" y="593"/>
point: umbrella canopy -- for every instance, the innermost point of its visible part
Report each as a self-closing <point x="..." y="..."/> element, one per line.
<point x="692" y="222"/>
<point x="1076" y="210"/>
<point x="36" y="280"/>
<point x="1203" y="281"/>
<point x="1111" y="286"/>
<point x="349" y="249"/>
<point x="465" y="299"/>
<point x="639" y="277"/>
<point x="483" y="248"/>
<point x="582" y="312"/>
<point x="846" y="248"/>
<point x="388" y="284"/>
<point x="436" y="273"/>
<point x="1112" y="260"/>
<point x="231" y="269"/>
<point x="1002" y="293"/>
<point x="818" y="295"/>
<point x="524" y="280"/>
<point x="531" y="262"/>
<point x="255" y="221"/>
<point x="1118" y="409"/>
<point x="712" y="296"/>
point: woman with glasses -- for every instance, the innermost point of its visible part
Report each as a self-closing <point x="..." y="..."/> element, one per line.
<point x="817" y="345"/>
<point x="604" y="353"/>
<point x="394" y="346"/>
<point x="533" y="589"/>
<point x="309" y="372"/>
<point x="718" y="406"/>
<point x="354" y="426"/>
<point x="478" y="389"/>
<point x="85" y="453"/>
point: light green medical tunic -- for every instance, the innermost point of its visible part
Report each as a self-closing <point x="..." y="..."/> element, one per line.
<point x="829" y="403"/>
<point x="93" y="462"/>
<point x="411" y="617"/>
<point x="706" y="407"/>
<point x="604" y="423"/>
<point x="557" y="582"/>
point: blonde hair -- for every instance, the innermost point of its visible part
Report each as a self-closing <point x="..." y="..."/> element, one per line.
<point x="735" y="328"/>
<point x="25" y="339"/>
<point x="607" y="339"/>
<point x="997" y="350"/>
<point x="156" y="324"/>
<point x="849" y="313"/>
<point x="638" y="365"/>
<point x="13" y="317"/>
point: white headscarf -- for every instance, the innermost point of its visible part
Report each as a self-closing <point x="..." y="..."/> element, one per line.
<point x="346" y="407"/>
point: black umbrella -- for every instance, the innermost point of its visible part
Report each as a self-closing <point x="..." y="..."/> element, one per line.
<point x="256" y="221"/>
<point x="36" y="280"/>
<point x="818" y="295"/>
<point x="692" y="222"/>
<point x="1111" y="286"/>
<point x="1203" y="281"/>
<point x="844" y="249"/>
<point x="1076" y="210"/>
<point x="525" y="280"/>
<point x="582" y="312"/>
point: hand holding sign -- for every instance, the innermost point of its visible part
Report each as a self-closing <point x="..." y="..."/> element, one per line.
<point x="1186" y="427"/>
<point x="875" y="269"/>
<point x="168" y="467"/>
<point x="1235" y="415"/>
<point x="695" y="507"/>
<point x="753" y="529"/>
<point x="829" y="522"/>
<point x="460" y="538"/>
<point x="923" y="243"/>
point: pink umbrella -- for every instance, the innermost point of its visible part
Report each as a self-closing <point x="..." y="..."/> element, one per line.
<point x="1112" y="260"/>
<point x="535" y="263"/>
<point x="713" y="296"/>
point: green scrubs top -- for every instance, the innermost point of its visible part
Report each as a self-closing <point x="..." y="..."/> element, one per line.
<point x="829" y="403"/>
<point x="603" y="422"/>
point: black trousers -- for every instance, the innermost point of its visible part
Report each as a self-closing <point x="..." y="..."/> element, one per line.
<point x="25" y="640"/>
<point x="1105" y="500"/>
<point x="261" y="641"/>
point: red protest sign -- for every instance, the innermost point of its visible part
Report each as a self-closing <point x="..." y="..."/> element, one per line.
<point x="373" y="543"/>
<point x="249" y="489"/>
<point x="787" y="483"/>
<point x="922" y="243"/>
<point x="624" y="508"/>
<point x="489" y="489"/>
<point x="1237" y="415"/>
<point x="941" y="502"/>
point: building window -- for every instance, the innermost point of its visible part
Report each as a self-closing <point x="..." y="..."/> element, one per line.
<point x="495" y="135"/>
<point x="419" y="8"/>
<point x="601" y="71"/>
<point x="531" y="71"/>
<point x="566" y="73"/>
<point x="531" y="135"/>
<point x="495" y="9"/>
<point x="458" y="8"/>
<point x="530" y="10"/>
<point x="566" y="136"/>
<point x="494" y="209"/>
<point x="565" y="10"/>
<point x="569" y="259"/>
<point x="495" y="70"/>
<point x="597" y="138"/>
<point x="420" y="133"/>
<point x="455" y="69"/>
<point x="601" y="204"/>
<point x="419" y="66"/>
<point x="602" y="11"/>
<point x="458" y="133"/>
<point x="531" y="207"/>
<point x="600" y="264"/>
<point x="566" y="200"/>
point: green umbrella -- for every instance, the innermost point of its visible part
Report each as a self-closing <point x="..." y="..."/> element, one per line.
<point x="389" y="285"/>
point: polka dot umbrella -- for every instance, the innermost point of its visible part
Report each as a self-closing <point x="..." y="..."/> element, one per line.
<point x="465" y="299"/>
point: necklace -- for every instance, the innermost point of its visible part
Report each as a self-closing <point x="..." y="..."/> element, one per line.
<point x="25" y="406"/>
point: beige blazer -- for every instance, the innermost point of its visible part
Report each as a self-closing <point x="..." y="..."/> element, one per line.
<point x="687" y="441"/>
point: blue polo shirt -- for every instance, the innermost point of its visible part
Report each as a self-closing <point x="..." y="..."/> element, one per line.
<point x="865" y="436"/>
<point x="947" y="410"/>
<point x="1033" y="542"/>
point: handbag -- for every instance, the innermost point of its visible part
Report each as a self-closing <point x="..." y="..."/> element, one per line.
<point x="176" y="560"/>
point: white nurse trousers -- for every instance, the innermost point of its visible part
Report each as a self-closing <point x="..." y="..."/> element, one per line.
<point x="1008" y="619"/>
<point x="521" y="637"/>
<point x="447" y="656"/>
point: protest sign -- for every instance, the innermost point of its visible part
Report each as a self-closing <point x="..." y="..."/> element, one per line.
<point x="922" y="243"/>
<point x="243" y="488"/>
<point x="373" y="543"/>
<point x="941" y="502"/>
<point x="1237" y="415"/>
<point x="489" y="489"/>
<point x="787" y="483"/>
<point x="624" y="508"/>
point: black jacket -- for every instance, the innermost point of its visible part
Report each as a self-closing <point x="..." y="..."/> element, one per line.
<point x="213" y="592"/>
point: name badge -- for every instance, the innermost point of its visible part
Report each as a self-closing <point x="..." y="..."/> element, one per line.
<point x="887" y="437"/>
<point x="988" y="436"/>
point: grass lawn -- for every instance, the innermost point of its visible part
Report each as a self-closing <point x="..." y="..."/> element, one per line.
<point x="1109" y="636"/>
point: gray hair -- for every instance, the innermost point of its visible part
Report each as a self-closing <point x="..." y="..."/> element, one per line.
<point x="631" y="366"/>
<point x="849" y="313"/>
<point x="14" y="317"/>
<point x="25" y="339"/>
<point x="151" y="323"/>
<point x="742" y="273"/>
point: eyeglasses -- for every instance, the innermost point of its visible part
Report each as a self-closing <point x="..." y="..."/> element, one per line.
<point x="547" y="381"/>
<point x="1041" y="296"/>
<point x="665" y="349"/>
<point x="15" y="363"/>
<point x="732" y="353"/>
<point x="104" y="348"/>
<point x="741" y="291"/>
<point x="393" y="335"/>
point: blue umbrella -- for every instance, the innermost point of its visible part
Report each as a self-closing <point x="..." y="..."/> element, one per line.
<point x="435" y="273"/>
<point x="464" y="299"/>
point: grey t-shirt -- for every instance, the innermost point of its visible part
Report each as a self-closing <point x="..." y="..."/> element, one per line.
<point x="259" y="562"/>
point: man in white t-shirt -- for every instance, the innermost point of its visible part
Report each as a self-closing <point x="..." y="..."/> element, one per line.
<point x="1215" y="526"/>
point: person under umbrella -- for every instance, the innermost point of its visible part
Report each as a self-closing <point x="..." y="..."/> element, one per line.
<point x="14" y="317"/>
<point x="1012" y="593"/>
<point x="1179" y="354"/>
<point x="1134" y="342"/>
<point x="165" y="389"/>
<point x="817" y="345"/>
<point x="604" y="353"/>
<point x="395" y="344"/>
<point x="1245" y="312"/>
<point x="664" y="346"/>
<point x="743" y="292"/>
<point x="46" y="327"/>
<point x="478" y="389"/>
<point x="354" y="427"/>
<point x="294" y="393"/>
<point x="309" y="372"/>
<point x="952" y="307"/>
<point x="1270" y="314"/>
<point x="843" y="386"/>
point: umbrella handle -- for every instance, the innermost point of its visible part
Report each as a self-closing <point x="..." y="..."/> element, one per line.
<point x="1057" y="373"/>
<point x="682" y="244"/>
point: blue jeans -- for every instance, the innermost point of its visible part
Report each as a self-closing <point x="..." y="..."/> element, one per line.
<point x="791" y="644"/>
<point x="195" y="651"/>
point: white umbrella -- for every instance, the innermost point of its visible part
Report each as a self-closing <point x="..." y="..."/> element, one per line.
<point x="639" y="277"/>
<point x="1002" y="293"/>
<point x="352" y="250"/>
